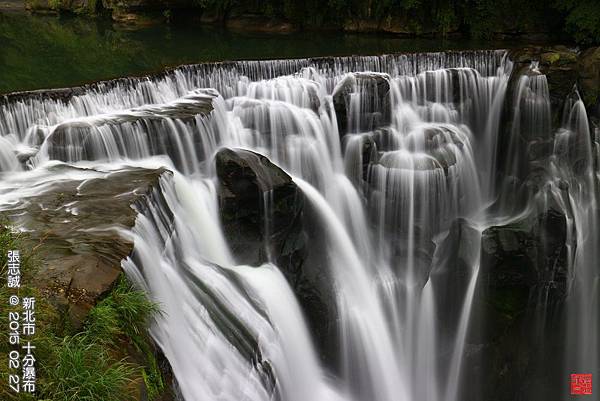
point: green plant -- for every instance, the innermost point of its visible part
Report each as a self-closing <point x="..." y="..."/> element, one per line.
<point x="582" y="19"/>
<point x="125" y="311"/>
<point x="80" y="369"/>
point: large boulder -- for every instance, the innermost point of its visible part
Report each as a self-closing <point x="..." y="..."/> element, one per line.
<point x="260" y="208"/>
<point x="374" y="106"/>
<point x="264" y="217"/>
<point x="524" y="257"/>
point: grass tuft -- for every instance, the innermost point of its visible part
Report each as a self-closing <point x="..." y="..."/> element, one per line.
<point x="83" y="370"/>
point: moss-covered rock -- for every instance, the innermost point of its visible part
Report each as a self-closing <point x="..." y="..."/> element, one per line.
<point x="564" y="69"/>
<point x="558" y="63"/>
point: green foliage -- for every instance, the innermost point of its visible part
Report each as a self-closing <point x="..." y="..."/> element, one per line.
<point x="78" y="368"/>
<point x="55" y="4"/>
<point x="582" y="19"/>
<point x="124" y="312"/>
<point x="446" y="19"/>
<point x="483" y="19"/>
<point x="410" y="4"/>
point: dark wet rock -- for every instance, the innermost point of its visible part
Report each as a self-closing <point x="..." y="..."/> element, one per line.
<point x="128" y="20"/>
<point x="540" y="149"/>
<point x="254" y="190"/>
<point x="41" y="7"/>
<point x="145" y="4"/>
<point x="374" y="106"/>
<point x="385" y="140"/>
<point x="134" y="14"/>
<point x="12" y="6"/>
<point x="516" y="331"/>
<point x="523" y="258"/>
<point x="404" y="23"/>
<point x="361" y="25"/>
<point x="248" y="183"/>
<point x="369" y="156"/>
<point x="74" y="227"/>
<point x="507" y="252"/>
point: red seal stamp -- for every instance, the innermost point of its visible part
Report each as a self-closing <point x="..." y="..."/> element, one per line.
<point x="581" y="384"/>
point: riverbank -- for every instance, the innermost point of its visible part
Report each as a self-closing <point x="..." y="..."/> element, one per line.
<point x="45" y="51"/>
<point x="561" y="20"/>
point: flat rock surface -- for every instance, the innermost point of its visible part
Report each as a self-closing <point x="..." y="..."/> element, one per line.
<point x="73" y="221"/>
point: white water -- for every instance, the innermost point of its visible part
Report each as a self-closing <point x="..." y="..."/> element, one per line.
<point x="234" y="332"/>
<point x="168" y="262"/>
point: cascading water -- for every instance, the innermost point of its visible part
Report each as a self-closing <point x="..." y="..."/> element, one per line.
<point x="389" y="152"/>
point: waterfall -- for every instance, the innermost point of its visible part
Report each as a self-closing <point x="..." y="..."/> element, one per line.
<point x="390" y="153"/>
<point x="244" y="321"/>
<point x="573" y="163"/>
